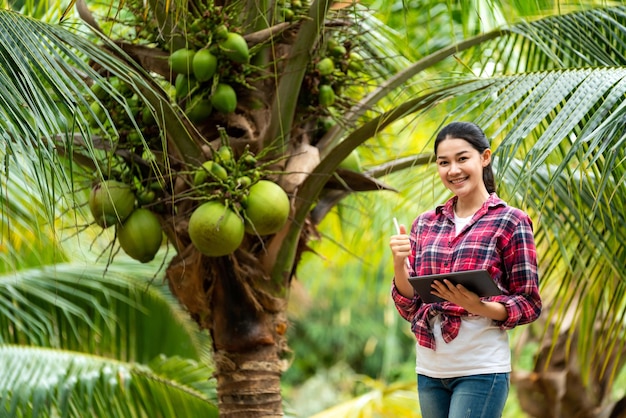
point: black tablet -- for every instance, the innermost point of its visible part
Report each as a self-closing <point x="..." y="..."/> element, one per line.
<point x="477" y="281"/>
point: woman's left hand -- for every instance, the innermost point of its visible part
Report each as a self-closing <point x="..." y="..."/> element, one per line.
<point x="456" y="294"/>
<point x="468" y="300"/>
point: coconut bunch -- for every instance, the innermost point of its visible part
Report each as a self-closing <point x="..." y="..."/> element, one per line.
<point x="227" y="196"/>
<point x="138" y="230"/>
<point x="204" y="76"/>
<point x="120" y="104"/>
<point x="237" y="199"/>
<point x="335" y="68"/>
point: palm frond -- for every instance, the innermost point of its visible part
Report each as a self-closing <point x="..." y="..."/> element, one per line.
<point x="587" y="38"/>
<point x="28" y="228"/>
<point x="583" y="107"/>
<point x="113" y="311"/>
<point x="581" y="242"/>
<point x="45" y="95"/>
<point x="44" y="382"/>
<point x="542" y="41"/>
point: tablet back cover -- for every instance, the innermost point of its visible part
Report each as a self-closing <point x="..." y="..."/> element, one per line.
<point x="477" y="281"/>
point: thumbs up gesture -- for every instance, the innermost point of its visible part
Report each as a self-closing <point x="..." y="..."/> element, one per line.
<point x="400" y="247"/>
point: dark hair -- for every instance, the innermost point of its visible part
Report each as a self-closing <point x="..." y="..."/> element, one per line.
<point x="477" y="139"/>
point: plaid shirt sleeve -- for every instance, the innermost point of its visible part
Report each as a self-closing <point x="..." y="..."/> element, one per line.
<point x="407" y="307"/>
<point x="519" y="254"/>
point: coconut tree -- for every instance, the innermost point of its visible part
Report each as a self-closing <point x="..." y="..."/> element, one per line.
<point x="248" y="331"/>
<point x="211" y="148"/>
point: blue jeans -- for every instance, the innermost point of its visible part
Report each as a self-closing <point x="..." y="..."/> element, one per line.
<point x="477" y="396"/>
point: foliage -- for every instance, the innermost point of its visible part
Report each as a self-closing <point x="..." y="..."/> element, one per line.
<point x="76" y="384"/>
<point x="93" y="337"/>
<point x="549" y="92"/>
<point x="548" y="211"/>
<point x="365" y="337"/>
<point x="78" y="337"/>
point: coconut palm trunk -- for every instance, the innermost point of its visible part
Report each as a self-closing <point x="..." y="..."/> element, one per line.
<point x="247" y="330"/>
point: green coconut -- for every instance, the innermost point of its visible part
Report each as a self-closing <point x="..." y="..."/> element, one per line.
<point x="111" y="202"/>
<point x="181" y="61"/>
<point x="266" y="208"/>
<point x="184" y="84"/>
<point x="204" y="65"/>
<point x="199" y="109"/>
<point x="209" y="171"/>
<point x="326" y="66"/>
<point x="327" y="95"/>
<point x="235" y="48"/>
<point x="141" y="235"/>
<point x="215" y="230"/>
<point x="224" y="99"/>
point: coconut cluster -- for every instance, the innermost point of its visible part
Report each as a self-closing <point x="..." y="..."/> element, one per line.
<point x="200" y="84"/>
<point x="238" y="200"/>
<point x="138" y="230"/>
<point x="207" y="73"/>
<point x="331" y="71"/>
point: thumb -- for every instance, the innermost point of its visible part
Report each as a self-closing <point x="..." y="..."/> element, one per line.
<point x="402" y="229"/>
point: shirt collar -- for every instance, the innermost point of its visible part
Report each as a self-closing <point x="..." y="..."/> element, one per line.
<point x="447" y="209"/>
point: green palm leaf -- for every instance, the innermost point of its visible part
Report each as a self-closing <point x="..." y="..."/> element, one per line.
<point x="45" y="94"/>
<point x="103" y="311"/>
<point x="39" y="382"/>
<point x="587" y="218"/>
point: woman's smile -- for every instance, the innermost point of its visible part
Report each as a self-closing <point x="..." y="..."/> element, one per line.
<point x="458" y="180"/>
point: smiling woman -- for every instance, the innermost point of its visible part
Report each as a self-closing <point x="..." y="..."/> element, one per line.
<point x="463" y="355"/>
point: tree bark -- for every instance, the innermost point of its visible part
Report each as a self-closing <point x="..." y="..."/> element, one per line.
<point x="248" y="382"/>
<point x="247" y="325"/>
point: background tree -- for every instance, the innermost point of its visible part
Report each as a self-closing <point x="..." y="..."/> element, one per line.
<point x="534" y="115"/>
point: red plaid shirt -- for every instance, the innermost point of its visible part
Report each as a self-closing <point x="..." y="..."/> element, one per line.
<point x="499" y="238"/>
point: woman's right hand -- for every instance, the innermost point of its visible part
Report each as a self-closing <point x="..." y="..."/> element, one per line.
<point x="400" y="247"/>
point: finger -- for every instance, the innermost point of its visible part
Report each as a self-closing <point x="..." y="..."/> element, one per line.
<point x="449" y="285"/>
<point x="438" y="286"/>
<point x="465" y="291"/>
<point x="402" y="229"/>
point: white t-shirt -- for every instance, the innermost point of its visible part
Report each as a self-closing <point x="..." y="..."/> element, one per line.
<point x="480" y="347"/>
<point x="459" y="223"/>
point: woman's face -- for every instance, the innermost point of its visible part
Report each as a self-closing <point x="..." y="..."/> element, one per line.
<point x="461" y="166"/>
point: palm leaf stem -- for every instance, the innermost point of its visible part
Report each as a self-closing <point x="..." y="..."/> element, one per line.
<point x="329" y="140"/>
<point x="284" y="105"/>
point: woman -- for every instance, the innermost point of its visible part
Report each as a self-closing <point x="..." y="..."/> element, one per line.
<point x="463" y="355"/>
